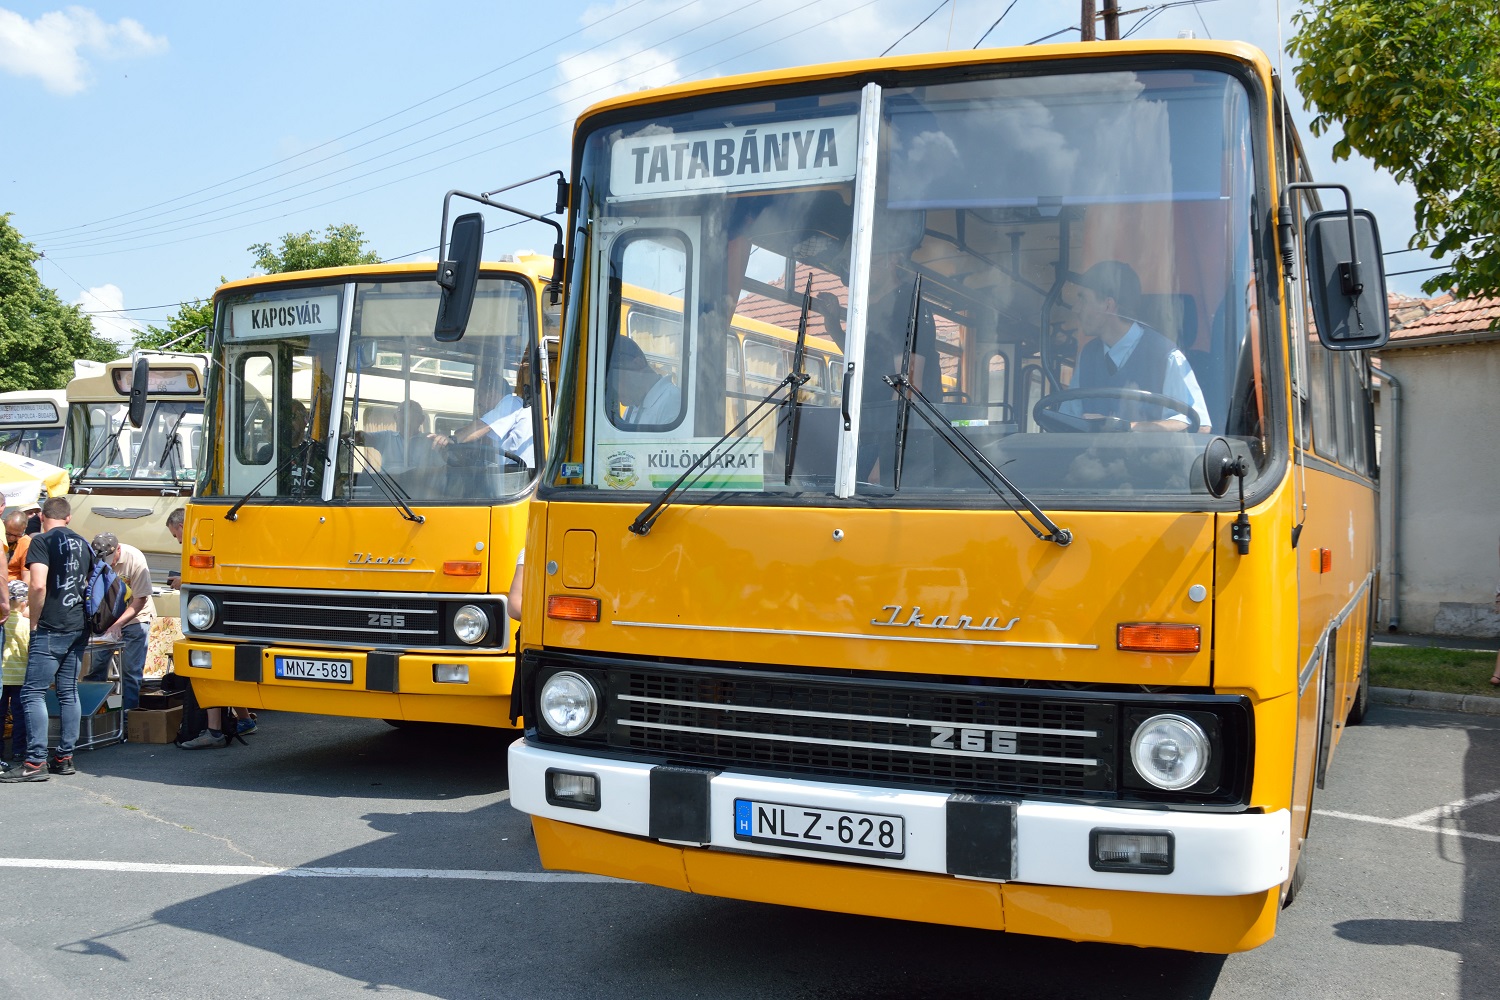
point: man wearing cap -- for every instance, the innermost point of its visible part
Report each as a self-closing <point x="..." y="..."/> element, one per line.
<point x="1126" y="354"/>
<point x="133" y="626"/>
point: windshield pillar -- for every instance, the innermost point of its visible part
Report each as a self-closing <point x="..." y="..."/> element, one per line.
<point x="340" y="378"/>
<point x="859" y="282"/>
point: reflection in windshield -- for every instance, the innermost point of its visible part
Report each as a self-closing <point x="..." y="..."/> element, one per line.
<point x="41" y="443"/>
<point x="1087" y="314"/>
<point x="416" y="421"/>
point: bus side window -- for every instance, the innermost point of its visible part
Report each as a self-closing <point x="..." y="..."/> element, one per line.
<point x="254" y="441"/>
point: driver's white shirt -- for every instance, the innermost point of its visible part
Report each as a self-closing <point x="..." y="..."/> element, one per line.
<point x="1178" y="382"/>
<point x="511" y="423"/>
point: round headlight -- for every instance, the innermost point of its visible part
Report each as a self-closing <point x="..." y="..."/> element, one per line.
<point x="471" y="624"/>
<point x="1170" y="751"/>
<point x="568" y="703"/>
<point x="200" y="611"/>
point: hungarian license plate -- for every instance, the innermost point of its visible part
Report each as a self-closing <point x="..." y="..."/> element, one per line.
<point x="838" y="831"/>
<point x="298" y="668"/>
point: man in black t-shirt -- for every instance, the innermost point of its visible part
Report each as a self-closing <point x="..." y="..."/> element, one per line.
<point x="58" y="563"/>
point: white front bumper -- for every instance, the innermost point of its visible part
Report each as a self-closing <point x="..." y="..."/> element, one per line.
<point x="1216" y="854"/>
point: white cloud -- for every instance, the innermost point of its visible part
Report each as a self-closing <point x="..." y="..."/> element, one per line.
<point x="103" y="305"/>
<point x="52" y="48"/>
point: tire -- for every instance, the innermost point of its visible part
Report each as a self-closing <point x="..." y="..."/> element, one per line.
<point x="1361" y="695"/>
<point x="1294" y="887"/>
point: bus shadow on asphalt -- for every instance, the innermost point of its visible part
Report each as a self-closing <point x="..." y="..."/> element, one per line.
<point x="324" y="756"/>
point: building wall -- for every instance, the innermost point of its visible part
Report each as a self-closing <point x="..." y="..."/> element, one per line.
<point x="1447" y="533"/>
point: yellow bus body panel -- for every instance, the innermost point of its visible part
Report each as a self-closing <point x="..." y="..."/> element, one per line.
<point x="1215" y="924"/>
<point x="770" y="586"/>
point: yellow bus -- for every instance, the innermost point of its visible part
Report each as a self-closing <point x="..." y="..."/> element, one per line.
<point x="364" y="494"/>
<point x="1050" y="622"/>
<point x="130" y="474"/>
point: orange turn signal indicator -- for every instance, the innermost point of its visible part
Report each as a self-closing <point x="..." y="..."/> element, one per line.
<point x="573" y="609"/>
<point x="459" y="567"/>
<point x="1158" y="637"/>
<point x="198" y="560"/>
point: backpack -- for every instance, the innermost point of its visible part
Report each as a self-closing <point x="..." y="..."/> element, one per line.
<point x="105" y="598"/>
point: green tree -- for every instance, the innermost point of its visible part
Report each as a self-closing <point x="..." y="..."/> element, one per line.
<point x="1415" y="86"/>
<point x="191" y="322"/>
<point x="39" y="335"/>
<point x="340" y="246"/>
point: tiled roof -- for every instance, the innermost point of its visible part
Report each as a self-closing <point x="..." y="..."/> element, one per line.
<point x="1443" y="316"/>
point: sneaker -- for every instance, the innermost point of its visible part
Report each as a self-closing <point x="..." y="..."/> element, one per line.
<point x="205" y="740"/>
<point x="26" y="772"/>
<point x="244" y="726"/>
<point x="62" y="765"/>
<point x="4" y="766"/>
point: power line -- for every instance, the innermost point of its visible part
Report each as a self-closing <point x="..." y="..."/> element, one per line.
<point x="940" y="6"/>
<point x="992" y="27"/>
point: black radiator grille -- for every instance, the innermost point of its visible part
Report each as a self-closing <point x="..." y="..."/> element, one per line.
<point x="954" y="736"/>
<point x="343" y="617"/>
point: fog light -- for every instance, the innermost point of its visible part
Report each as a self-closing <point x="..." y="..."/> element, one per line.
<point x="1131" y="851"/>
<point x="572" y="790"/>
<point x="450" y="673"/>
<point x="1169" y="751"/>
<point x="568" y="703"/>
<point x="201" y="658"/>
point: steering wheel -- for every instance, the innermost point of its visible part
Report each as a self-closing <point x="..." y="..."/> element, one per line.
<point x="468" y="454"/>
<point x="1050" y="418"/>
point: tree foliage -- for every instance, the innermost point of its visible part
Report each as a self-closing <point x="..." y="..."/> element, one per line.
<point x="340" y="246"/>
<point x="39" y="335"/>
<point x="1415" y="86"/>
<point x="191" y="322"/>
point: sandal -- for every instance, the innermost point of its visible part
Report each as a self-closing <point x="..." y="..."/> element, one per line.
<point x="1495" y="679"/>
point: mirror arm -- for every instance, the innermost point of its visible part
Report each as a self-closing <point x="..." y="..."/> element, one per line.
<point x="446" y="269"/>
<point x="1349" y="276"/>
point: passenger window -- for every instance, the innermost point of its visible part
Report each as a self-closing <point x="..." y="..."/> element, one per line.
<point x="646" y="367"/>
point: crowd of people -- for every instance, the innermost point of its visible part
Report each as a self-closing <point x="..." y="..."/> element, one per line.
<point x="46" y="636"/>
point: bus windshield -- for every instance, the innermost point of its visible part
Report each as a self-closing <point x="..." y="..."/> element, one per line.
<point x="1061" y="265"/>
<point x="338" y="393"/>
<point x="43" y="443"/>
<point x="164" y="448"/>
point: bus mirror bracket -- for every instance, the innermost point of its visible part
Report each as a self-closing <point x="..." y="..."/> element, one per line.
<point x="1346" y="276"/>
<point x="1220" y="465"/>
<point x="458" y="274"/>
<point x="140" y="385"/>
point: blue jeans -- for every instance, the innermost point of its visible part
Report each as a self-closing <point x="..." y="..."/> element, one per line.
<point x="53" y="662"/>
<point x="133" y="663"/>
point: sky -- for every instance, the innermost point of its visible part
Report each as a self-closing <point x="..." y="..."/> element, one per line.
<point x="147" y="146"/>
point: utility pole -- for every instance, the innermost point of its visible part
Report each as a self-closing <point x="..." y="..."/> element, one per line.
<point x="1112" y="20"/>
<point x="1086" y="21"/>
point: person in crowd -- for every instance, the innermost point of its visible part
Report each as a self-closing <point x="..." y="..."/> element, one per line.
<point x="13" y="675"/>
<point x="58" y="564"/>
<point x="17" y="541"/>
<point x="133" y="627"/>
<point x="1126" y="354"/>
<point x="175" y="521"/>
<point x="33" y="519"/>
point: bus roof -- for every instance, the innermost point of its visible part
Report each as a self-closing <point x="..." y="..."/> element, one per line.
<point x="113" y="384"/>
<point x="536" y="266"/>
<point x="863" y="68"/>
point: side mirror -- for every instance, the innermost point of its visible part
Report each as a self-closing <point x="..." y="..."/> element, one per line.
<point x="1347" y="284"/>
<point x="458" y="277"/>
<point x="140" y="384"/>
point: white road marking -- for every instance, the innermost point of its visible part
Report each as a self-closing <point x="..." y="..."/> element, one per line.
<point x="438" y="873"/>
<point x="1426" y="821"/>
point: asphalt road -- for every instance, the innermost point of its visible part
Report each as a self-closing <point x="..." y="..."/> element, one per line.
<point x="338" y="858"/>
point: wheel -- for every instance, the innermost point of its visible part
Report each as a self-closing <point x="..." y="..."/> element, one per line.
<point x="1362" y="691"/>
<point x="471" y="454"/>
<point x="1050" y="418"/>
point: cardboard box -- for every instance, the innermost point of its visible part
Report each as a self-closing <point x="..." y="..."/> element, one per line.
<point x="157" y="700"/>
<point x="146" y="725"/>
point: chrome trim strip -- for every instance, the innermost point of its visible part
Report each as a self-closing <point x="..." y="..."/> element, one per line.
<point x="855" y="635"/>
<point x="215" y="590"/>
<point x="364" y="629"/>
<point x="1305" y="678"/>
<point x="855" y="718"/>
<point x="1319" y="648"/>
<point x="241" y="602"/>
<point x="324" y="569"/>
<point x="932" y="751"/>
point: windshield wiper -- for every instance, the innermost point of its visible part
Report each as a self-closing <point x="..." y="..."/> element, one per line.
<point x="170" y="451"/>
<point x="296" y="454"/>
<point x="647" y="517"/>
<point x="903" y="406"/>
<point x="795" y="401"/>
<point x="387" y="484"/>
<point x="109" y="439"/>
<point x="974" y="458"/>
